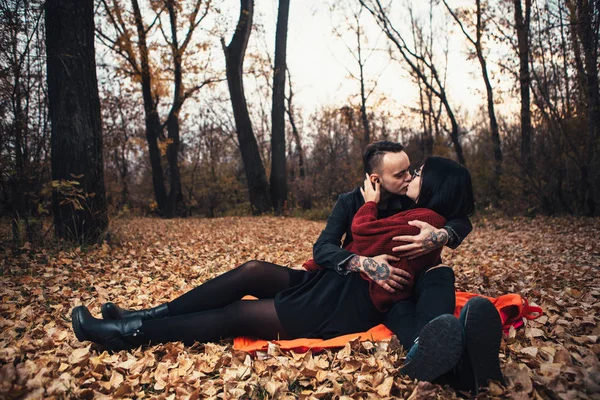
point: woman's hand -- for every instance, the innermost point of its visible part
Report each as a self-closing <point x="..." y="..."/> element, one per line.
<point x="380" y="271"/>
<point x="368" y="192"/>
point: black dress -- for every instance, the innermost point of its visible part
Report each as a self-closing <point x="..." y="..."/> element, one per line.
<point x="325" y="304"/>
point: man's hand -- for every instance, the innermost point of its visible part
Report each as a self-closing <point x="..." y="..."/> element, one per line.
<point x="426" y="241"/>
<point x="380" y="271"/>
<point x="369" y="192"/>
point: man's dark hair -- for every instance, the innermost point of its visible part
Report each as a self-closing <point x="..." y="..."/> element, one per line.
<point x="375" y="151"/>
<point x="446" y="188"/>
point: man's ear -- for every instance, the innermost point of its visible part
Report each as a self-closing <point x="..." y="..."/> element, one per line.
<point x="375" y="178"/>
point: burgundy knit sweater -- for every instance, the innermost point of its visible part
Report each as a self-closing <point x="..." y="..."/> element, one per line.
<point x="372" y="237"/>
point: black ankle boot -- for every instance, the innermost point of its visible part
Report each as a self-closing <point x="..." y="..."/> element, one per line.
<point x="113" y="335"/>
<point x="483" y="333"/>
<point x="111" y="311"/>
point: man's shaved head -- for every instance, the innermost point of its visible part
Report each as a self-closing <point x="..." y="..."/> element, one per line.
<point x="374" y="153"/>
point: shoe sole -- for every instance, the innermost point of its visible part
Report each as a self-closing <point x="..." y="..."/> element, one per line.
<point x="439" y="349"/>
<point x="483" y="334"/>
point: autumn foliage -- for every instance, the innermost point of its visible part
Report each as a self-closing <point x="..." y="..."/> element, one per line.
<point x="553" y="262"/>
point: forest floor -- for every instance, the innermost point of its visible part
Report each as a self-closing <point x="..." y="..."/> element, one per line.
<point x="553" y="262"/>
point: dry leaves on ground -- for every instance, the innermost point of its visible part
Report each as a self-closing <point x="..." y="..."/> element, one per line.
<point x="553" y="262"/>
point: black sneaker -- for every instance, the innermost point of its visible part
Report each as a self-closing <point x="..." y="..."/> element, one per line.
<point x="437" y="349"/>
<point x="483" y="333"/>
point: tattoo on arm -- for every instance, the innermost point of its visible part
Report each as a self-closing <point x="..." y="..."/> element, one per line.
<point x="435" y="240"/>
<point x="376" y="271"/>
<point x="354" y="264"/>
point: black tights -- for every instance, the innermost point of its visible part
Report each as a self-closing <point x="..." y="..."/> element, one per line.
<point x="214" y="310"/>
<point x="435" y="296"/>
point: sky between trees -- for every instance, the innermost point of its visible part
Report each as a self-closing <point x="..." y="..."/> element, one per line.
<point x="320" y="63"/>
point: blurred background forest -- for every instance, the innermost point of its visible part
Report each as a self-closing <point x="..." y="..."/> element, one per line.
<point x="181" y="137"/>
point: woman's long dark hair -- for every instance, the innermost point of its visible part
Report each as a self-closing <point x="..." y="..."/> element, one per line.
<point x="446" y="188"/>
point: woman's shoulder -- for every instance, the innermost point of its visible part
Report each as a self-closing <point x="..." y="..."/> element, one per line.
<point x="424" y="214"/>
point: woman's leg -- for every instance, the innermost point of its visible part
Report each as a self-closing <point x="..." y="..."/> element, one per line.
<point x="256" y="318"/>
<point x="257" y="278"/>
<point x="245" y="317"/>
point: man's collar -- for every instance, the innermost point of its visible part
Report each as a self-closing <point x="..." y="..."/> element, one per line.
<point x="397" y="202"/>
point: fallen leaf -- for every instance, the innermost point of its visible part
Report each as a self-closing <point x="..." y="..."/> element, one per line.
<point x="80" y="355"/>
<point x="529" y="351"/>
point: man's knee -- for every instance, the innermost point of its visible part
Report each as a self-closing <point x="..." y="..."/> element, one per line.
<point x="439" y="274"/>
<point x="439" y="266"/>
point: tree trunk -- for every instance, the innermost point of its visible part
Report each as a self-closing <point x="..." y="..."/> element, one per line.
<point x="588" y="36"/>
<point x="582" y="13"/>
<point x="278" y="164"/>
<point x="124" y="175"/>
<point x="153" y="125"/>
<point x="175" y="204"/>
<point x="460" y="156"/>
<point x="426" y="122"/>
<point x="494" y="130"/>
<point x="522" y="28"/>
<point x="121" y="160"/>
<point x="17" y="21"/>
<point x="363" y="95"/>
<point x="290" y="112"/>
<point x="74" y="106"/>
<point x="296" y="134"/>
<point x="258" y="185"/>
<point x="19" y="203"/>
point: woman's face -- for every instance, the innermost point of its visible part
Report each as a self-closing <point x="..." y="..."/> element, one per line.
<point x="414" y="187"/>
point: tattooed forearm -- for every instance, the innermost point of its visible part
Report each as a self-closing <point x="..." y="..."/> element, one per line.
<point x="435" y="240"/>
<point x="375" y="270"/>
<point x="354" y="264"/>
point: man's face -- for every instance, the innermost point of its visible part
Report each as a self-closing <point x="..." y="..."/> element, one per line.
<point x="393" y="173"/>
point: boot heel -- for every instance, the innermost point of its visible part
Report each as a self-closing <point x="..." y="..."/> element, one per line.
<point x="76" y="321"/>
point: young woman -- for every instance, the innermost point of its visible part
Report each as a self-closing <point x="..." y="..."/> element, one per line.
<point x="293" y="303"/>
